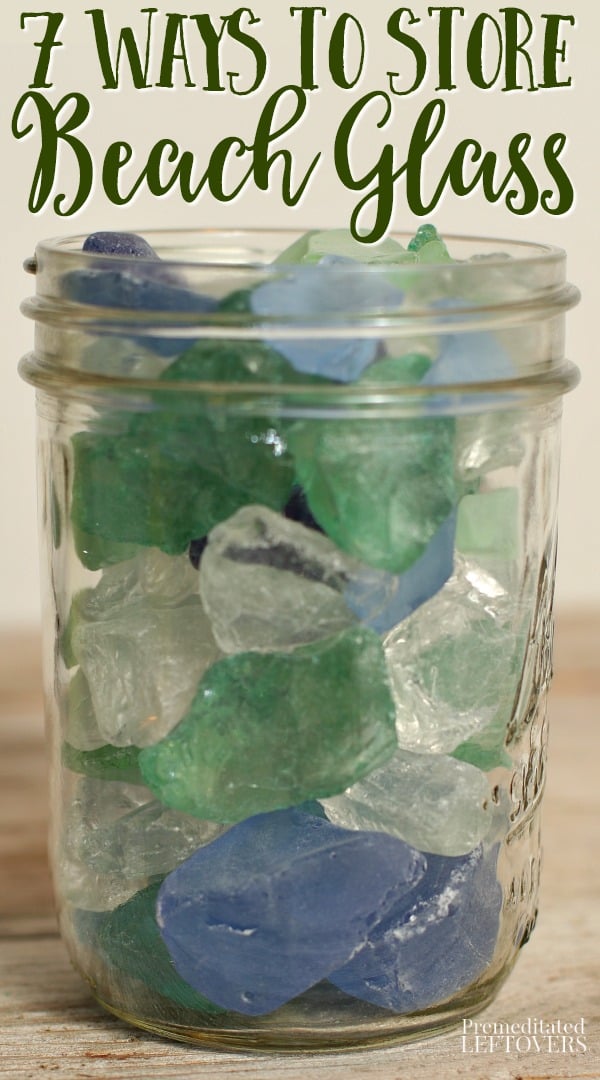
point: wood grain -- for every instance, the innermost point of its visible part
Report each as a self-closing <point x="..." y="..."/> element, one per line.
<point x="50" y="1025"/>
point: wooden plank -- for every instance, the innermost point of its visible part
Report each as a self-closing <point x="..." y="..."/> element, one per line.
<point x="46" y="1015"/>
<point x="577" y="653"/>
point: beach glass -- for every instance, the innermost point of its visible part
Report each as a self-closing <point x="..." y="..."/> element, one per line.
<point x="298" y="520"/>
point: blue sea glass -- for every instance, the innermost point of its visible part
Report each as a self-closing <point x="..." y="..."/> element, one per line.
<point x="276" y="904"/>
<point x="435" y="941"/>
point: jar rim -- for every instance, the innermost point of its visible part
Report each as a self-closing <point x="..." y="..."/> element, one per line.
<point x="517" y="282"/>
<point x="496" y="286"/>
<point x="246" y="248"/>
<point x="169" y="238"/>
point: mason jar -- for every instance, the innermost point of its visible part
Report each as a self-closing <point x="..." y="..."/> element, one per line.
<point x="298" y="514"/>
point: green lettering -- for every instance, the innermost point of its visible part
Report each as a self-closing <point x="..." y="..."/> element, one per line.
<point x="307" y="44"/>
<point x="215" y="173"/>
<point x="249" y="42"/>
<point x="382" y="173"/>
<point x="426" y="130"/>
<point x="394" y="31"/>
<point x="166" y="152"/>
<point x="476" y="49"/>
<point x="446" y="44"/>
<point x="553" y="51"/>
<point x="267" y="134"/>
<point x="514" y="46"/>
<point x="51" y="135"/>
<point x="485" y="175"/>
<point x="117" y="156"/>
<point x="112" y="71"/>
<point x="455" y="170"/>
<point x="174" y="38"/>
<point x="212" y="41"/>
<point x="454" y="173"/>
<point x="553" y="148"/>
<point x="48" y="42"/>
<point x="337" y="52"/>
<point x="517" y="150"/>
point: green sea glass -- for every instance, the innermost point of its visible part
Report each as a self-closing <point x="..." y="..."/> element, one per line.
<point x="271" y="730"/>
<point x="172" y="473"/>
<point x="129" y="940"/>
<point x="105" y="763"/>
<point x="379" y="490"/>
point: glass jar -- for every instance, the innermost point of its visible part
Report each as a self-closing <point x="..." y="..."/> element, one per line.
<point x="299" y="535"/>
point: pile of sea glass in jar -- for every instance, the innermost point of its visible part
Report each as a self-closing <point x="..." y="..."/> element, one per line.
<point x="295" y="671"/>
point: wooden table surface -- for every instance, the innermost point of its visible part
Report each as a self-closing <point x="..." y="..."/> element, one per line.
<point x="50" y="1025"/>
